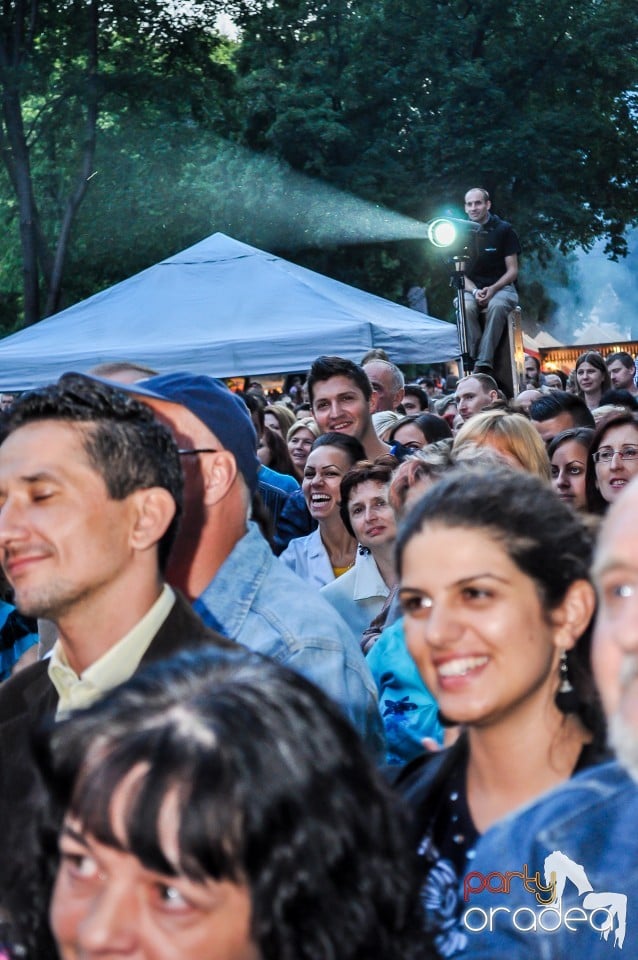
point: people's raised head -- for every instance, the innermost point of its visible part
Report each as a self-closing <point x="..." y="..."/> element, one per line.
<point x="304" y="423"/>
<point x="223" y="414"/>
<point x="241" y="783"/>
<point x="557" y="411"/>
<point x="387" y="382"/>
<point x="622" y="370"/>
<point x="352" y="447"/>
<point x="612" y="460"/>
<point x="555" y="380"/>
<point x="622" y="357"/>
<point x="545" y="540"/>
<point x="592" y="358"/>
<point x="474" y="393"/>
<point x="511" y="435"/>
<point x="568" y="454"/>
<point x="580" y="435"/>
<point x="325" y="368"/>
<point x="532" y="369"/>
<point x="378" y="471"/>
<point x="415" y="400"/>
<point x="417" y="431"/>
<point x="279" y="418"/>
<point x="121" y="438"/>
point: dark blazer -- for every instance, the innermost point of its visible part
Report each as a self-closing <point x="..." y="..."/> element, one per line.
<point x="29" y="697"/>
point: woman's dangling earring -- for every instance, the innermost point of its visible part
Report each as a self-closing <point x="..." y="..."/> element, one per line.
<point x="566" y="696"/>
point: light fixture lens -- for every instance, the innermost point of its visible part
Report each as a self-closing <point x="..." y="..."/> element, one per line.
<point x="442" y="233"/>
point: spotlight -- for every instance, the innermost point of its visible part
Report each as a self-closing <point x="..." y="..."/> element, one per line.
<point x="448" y="232"/>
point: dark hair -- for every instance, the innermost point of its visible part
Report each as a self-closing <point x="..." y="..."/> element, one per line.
<point x="256" y="409"/>
<point x="352" y="447"/>
<point x="431" y="426"/>
<point x="542" y="536"/>
<point x="598" y="361"/>
<point x="596" y="503"/>
<point x="413" y="390"/>
<point x="625" y="358"/>
<point x="123" y="441"/>
<point x="580" y="435"/>
<point x="274" y="790"/>
<point x="324" y="368"/>
<point x="282" y="413"/>
<point x="552" y="404"/>
<point x="619" y="398"/>
<point x="280" y="459"/>
<point x="379" y="470"/>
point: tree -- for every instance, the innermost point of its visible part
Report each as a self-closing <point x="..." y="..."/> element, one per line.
<point x="67" y="69"/>
<point x="410" y="103"/>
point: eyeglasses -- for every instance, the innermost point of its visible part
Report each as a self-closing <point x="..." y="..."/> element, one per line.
<point x="607" y="454"/>
<point x="184" y="453"/>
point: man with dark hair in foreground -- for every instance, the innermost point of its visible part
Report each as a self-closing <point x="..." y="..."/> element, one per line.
<point x="90" y="495"/>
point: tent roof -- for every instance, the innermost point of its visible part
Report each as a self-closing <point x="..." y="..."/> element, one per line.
<point x="224" y="308"/>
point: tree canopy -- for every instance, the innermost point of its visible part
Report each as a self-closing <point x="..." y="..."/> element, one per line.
<point x="401" y="104"/>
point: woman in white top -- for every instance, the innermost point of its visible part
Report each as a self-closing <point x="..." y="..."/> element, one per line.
<point x="330" y="550"/>
<point x="366" y="511"/>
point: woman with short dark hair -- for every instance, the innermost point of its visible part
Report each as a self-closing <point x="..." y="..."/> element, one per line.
<point x="220" y="807"/>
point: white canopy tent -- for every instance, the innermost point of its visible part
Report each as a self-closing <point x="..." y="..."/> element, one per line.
<point x="223" y="308"/>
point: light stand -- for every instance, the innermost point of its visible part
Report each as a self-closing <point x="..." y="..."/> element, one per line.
<point x="457" y="280"/>
<point x="452" y="233"/>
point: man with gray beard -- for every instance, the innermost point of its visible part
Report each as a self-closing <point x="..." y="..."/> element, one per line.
<point x="577" y="846"/>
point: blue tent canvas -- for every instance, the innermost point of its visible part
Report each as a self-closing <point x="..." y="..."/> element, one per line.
<point x="223" y="308"/>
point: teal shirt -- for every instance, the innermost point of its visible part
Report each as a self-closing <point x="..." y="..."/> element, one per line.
<point x="17" y="634"/>
<point x="408" y="709"/>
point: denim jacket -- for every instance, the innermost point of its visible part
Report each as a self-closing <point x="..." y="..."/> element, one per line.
<point x="256" y="600"/>
<point x="588" y="830"/>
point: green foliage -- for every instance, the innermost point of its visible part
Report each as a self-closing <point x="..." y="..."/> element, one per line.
<point x="75" y="78"/>
<point x="399" y="105"/>
<point x="409" y="103"/>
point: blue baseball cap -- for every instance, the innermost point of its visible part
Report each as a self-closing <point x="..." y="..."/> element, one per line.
<point x="225" y="414"/>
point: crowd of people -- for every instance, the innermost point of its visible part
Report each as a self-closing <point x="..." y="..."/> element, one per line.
<point x="290" y="677"/>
